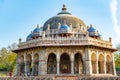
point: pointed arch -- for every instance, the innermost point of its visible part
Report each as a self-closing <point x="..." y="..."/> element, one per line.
<point x="51" y="64"/>
<point x="65" y="66"/>
<point x="35" y="65"/>
<point x="101" y="64"/>
<point x="21" y="59"/>
<point x="21" y="64"/>
<point x="93" y="62"/>
<point x="28" y="63"/>
<point x="36" y="57"/>
<point x="108" y="64"/>
<point x="78" y="63"/>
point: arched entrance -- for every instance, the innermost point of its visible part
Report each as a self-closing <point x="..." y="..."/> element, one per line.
<point x="28" y="64"/>
<point x="78" y="64"/>
<point x="94" y="61"/>
<point x="35" y="65"/>
<point x="52" y="64"/>
<point x="108" y="64"/>
<point x="21" y="65"/>
<point x="101" y="64"/>
<point x="65" y="66"/>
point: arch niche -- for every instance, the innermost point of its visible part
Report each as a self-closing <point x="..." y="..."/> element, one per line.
<point x="52" y="64"/>
<point x="21" y="64"/>
<point x="78" y="64"/>
<point x="29" y="65"/>
<point x="101" y="64"/>
<point x="108" y="64"/>
<point x="35" y="65"/>
<point x="65" y="66"/>
<point x="94" y="61"/>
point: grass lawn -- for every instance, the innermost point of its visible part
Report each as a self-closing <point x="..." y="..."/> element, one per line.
<point x="3" y="73"/>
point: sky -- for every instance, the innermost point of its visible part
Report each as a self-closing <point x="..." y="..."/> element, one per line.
<point x="19" y="17"/>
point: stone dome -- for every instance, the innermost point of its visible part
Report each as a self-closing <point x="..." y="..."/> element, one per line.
<point x="62" y="17"/>
<point x="91" y="29"/>
<point x="29" y="37"/>
<point x="37" y="31"/>
<point x="64" y="27"/>
<point x="93" y="32"/>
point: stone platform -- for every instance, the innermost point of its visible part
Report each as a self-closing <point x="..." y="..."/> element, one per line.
<point x="59" y="78"/>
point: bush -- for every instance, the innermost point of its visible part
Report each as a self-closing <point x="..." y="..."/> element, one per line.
<point x="117" y="69"/>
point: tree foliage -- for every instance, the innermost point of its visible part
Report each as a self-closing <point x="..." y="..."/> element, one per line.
<point x="117" y="57"/>
<point x="7" y="59"/>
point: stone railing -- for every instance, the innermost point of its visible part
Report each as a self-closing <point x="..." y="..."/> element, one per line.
<point x="65" y="41"/>
<point x="101" y="43"/>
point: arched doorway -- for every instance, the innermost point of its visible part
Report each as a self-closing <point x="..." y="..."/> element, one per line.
<point x="65" y="66"/>
<point x="35" y="65"/>
<point x="108" y="64"/>
<point x="21" y="65"/>
<point x="52" y="64"/>
<point x="101" y="64"/>
<point x="93" y="62"/>
<point x="28" y="64"/>
<point x="78" y="64"/>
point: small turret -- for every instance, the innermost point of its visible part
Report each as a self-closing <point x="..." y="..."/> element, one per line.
<point x="20" y="40"/>
<point x="59" y="25"/>
<point x="91" y="25"/>
<point x="48" y="27"/>
<point x="37" y="25"/>
<point x="70" y="26"/>
<point x="43" y="34"/>
<point x="87" y="27"/>
<point x="110" y="39"/>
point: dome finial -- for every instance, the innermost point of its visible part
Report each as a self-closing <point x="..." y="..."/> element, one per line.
<point x="65" y="22"/>
<point x="64" y="7"/>
<point x="91" y="25"/>
<point x="37" y="25"/>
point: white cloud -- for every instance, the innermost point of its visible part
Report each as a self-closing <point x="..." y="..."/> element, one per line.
<point x="114" y="8"/>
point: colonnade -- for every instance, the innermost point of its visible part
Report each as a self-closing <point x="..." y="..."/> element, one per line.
<point x="64" y="64"/>
<point x="102" y="64"/>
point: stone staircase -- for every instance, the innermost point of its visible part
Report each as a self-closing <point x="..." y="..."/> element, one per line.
<point x="59" y="78"/>
<point x="65" y="78"/>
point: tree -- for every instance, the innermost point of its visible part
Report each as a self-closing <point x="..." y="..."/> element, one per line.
<point x="7" y="59"/>
<point x="117" y="58"/>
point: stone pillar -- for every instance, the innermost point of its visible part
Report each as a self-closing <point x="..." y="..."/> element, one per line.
<point x="88" y="65"/>
<point x="105" y="63"/>
<point x="104" y="69"/>
<point x="26" y="68"/>
<point x="17" y="66"/>
<point x="113" y="65"/>
<point x="72" y="67"/>
<point x="97" y="63"/>
<point x="39" y="65"/>
<point x="58" y="67"/>
<point x="39" y="70"/>
<point x="42" y="62"/>
<point x="33" y="64"/>
<point x="58" y="63"/>
<point x="72" y="63"/>
<point x="17" y="69"/>
<point x="25" y="62"/>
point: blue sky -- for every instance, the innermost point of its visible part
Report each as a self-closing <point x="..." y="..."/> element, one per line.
<point x="19" y="17"/>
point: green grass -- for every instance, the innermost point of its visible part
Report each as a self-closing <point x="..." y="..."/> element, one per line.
<point x="3" y="75"/>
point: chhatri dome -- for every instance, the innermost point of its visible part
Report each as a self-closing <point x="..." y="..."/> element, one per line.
<point x="63" y="22"/>
<point x="64" y="15"/>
